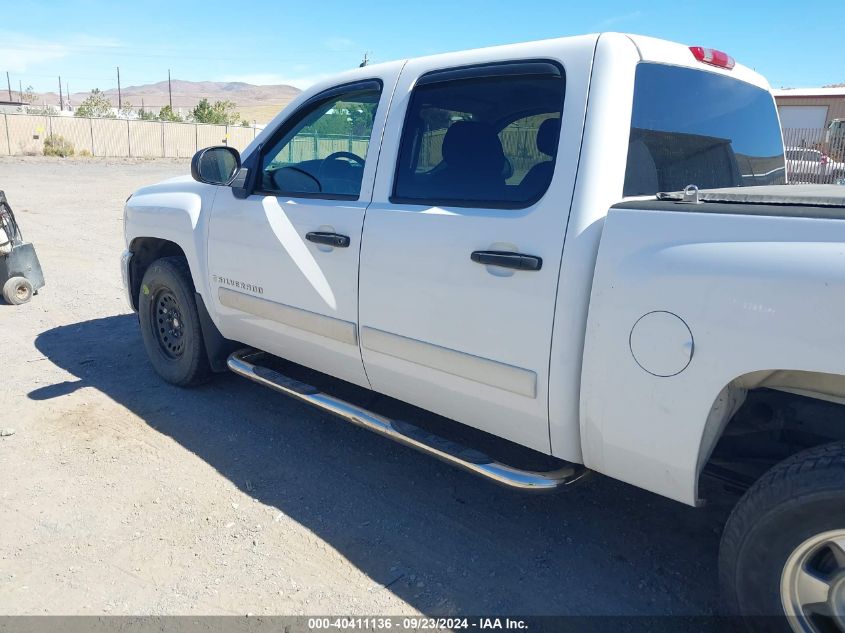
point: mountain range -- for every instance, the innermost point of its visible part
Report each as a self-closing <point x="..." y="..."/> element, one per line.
<point x="252" y="102"/>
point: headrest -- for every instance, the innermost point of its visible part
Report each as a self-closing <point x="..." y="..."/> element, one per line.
<point x="472" y="143"/>
<point x="547" y="136"/>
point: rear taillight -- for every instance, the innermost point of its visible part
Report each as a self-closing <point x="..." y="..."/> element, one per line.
<point x="712" y="57"/>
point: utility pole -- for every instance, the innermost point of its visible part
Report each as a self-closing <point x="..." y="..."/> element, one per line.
<point x="61" y="100"/>
<point x="169" y="89"/>
<point x="119" y="97"/>
<point x="9" y="85"/>
<point x="20" y="90"/>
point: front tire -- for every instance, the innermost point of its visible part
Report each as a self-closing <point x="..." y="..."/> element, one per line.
<point x="170" y="324"/>
<point x="783" y="548"/>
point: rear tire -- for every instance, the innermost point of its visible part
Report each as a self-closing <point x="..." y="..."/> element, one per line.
<point x="170" y="324"/>
<point x="783" y="548"/>
<point x="17" y="290"/>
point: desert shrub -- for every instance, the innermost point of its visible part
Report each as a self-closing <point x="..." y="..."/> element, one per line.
<point x="84" y="152"/>
<point x="55" y="145"/>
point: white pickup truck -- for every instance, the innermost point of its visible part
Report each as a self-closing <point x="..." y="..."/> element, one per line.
<point x="480" y="235"/>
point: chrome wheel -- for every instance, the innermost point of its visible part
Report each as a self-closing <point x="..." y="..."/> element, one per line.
<point x="812" y="586"/>
<point x="169" y="326"/>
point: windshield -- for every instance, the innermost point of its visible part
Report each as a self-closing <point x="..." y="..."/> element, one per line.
<point x="693" y="127"/>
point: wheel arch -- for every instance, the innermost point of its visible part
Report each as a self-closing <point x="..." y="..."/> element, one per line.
<point x="146" y="250"/>
<point x="823" y="386"/>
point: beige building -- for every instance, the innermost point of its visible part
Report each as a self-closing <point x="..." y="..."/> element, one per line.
<point x="810" y="108"/>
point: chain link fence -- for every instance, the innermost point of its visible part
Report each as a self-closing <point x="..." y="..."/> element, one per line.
<point x="24" y="135"/>
<point x="815" y="155"/>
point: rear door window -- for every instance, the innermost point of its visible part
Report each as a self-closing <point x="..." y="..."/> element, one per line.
<point x="483" y="136"/>
<point x="694" y="127"/>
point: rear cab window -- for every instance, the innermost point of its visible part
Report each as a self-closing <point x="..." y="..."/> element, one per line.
<point x="694" y="127"/>
<point x="483" y="136"/>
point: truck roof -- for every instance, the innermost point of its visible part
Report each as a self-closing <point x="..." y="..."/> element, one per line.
<point x="649" y="49"/>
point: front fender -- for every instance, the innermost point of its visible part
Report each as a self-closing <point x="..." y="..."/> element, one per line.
<point x="175" y="210"/>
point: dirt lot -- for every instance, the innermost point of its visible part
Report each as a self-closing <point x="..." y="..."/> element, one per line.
<point x="121" y="494"/>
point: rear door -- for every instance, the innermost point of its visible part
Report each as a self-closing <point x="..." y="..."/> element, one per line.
<point x="462" y="242"/>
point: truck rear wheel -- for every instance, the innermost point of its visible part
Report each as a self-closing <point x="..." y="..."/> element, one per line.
<point x="170" y="324"/>
<point x="783" y="548"/>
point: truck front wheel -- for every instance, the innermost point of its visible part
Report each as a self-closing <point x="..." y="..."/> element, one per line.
<point x="783" y="548"/>
<point x="170" y="324"/>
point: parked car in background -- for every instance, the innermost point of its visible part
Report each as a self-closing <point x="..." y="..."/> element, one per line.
<point x="804" y="164"/>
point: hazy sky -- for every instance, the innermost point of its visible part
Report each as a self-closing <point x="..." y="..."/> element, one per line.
<point x="791" y="43"/>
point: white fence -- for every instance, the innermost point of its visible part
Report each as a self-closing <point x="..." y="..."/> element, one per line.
<point x="24" y="134"/>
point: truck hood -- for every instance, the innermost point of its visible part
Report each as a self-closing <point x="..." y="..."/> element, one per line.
<point x="177" y="184"/>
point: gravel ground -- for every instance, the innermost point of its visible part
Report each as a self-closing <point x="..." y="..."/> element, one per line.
<point x="124" y="495"/>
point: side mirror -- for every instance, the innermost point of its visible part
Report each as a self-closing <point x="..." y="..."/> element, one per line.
<point x="216" y="165"/>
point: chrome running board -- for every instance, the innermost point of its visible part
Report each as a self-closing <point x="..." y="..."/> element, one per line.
<point x="245" y="363"/>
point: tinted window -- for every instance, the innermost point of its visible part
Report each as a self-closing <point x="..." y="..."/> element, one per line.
<point x="693" y="127"/>
<point x="488" y="140"/>
<point x="322" y="151"/>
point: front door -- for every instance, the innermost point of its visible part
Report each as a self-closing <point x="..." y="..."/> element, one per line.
<point x="284" y="260"/>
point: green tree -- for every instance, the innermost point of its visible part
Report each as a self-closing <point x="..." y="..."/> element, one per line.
<point x="167" y="114"/>
<point x="126" y="111"/>
<point x="147" y="115"/>
<point x="95" y="105"/>
<point x="344" y="119"/>
<point x="361" y="118"/>
<point x="221" y="113"/>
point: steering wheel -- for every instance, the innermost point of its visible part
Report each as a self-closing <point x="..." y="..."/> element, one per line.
<point x="338" y="155"/>
<point x="349" y="155"/>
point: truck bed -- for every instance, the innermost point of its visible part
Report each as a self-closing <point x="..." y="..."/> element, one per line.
<point x="807" y="201"/>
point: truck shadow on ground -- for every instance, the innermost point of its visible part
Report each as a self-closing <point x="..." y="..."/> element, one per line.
<point x="441" y="539"/>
